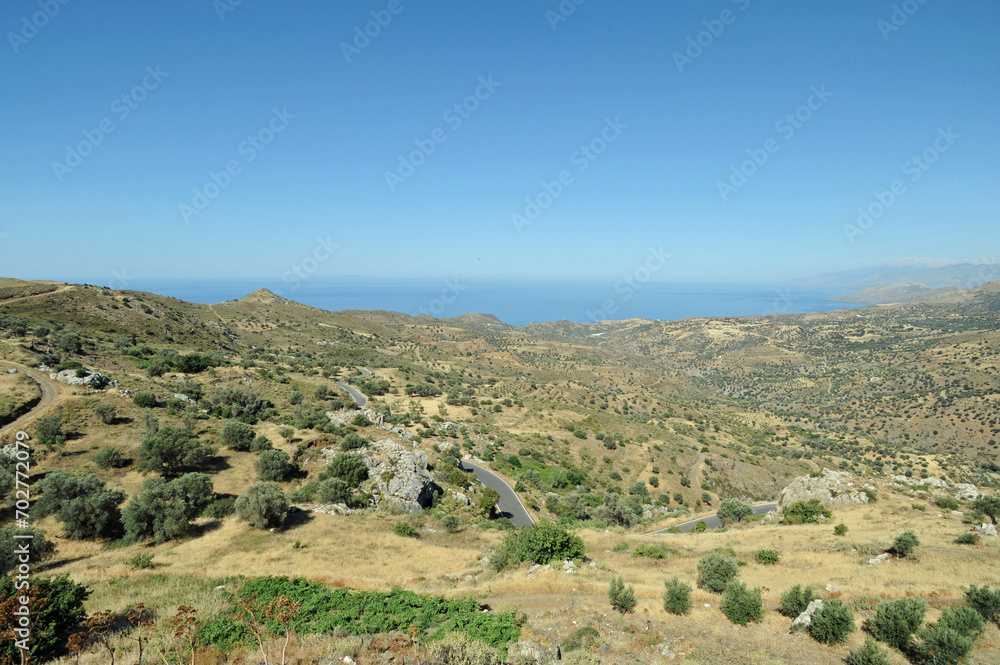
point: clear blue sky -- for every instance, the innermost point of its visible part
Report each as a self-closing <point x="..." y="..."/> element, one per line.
<point x="656" y="185"/>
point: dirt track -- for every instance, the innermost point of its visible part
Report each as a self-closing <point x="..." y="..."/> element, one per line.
<point x="50" y="393"/>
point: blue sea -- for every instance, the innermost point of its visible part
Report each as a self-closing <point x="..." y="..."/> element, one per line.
<point x="516" y="302"/>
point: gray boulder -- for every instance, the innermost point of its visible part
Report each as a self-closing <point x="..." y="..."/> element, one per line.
<point x="965" y="492"/>
<point x="803" y="620"/>
<point x="398" y="474"/>
<point x="881" y="558"/>
<point x="987" y="530"/>
<point x="94" y="380"/>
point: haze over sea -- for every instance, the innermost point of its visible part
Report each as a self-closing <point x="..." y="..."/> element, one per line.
<point x="516" y="302"/>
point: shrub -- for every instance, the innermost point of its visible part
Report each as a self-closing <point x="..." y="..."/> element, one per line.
<point x="263" y="505"/>
<point x="361" y="420"/>
<point x="221" y="506"/>
<point x="581" y="639"/>
<point x="946" y="502"/>
<point x="48" y="430"/>
<point x="273" y="465"/>
<point x="968" y="538"/>
<point x="40" y="548"/>
<point x="621" y="597"/>
<point x="110" y="457"/>
<point x="83" y="505"/>
<point x="459" y="649"/>
<point x="805" y="512"/>
<point x="940" y="645"/>
<point x="141" y="561"/>
<point x="540" y="543"/>
<point x="144" y="399"/>
<point x="701" y="527"/>
<point x="451" y="523"/>
<point x="56" y="610"/>
<point x="677" y="596"/>
<point x="352" y="442"/>
<point x="742" y="605"/>
<point x="715" y="571"/>
<point x="795" y="601"/>
<point x="734" y="510"/>
<point x="236" y="435"/>
<point x="171" y="450"/>
<point x="106" y="412"/>
<point x="333" y="490"/>
<point x="163" y="510"/>
<point x="286" y="433"/>
<point x="965" y="620"/>
<point x="767" y="557"/>
<point x="986" y="601"/>
<point x="840" y="530"/>
<point x="404" y="530"/>
<point x="833" y="623"/>
<point x="894" y="622"/>
<point x="870" y="654"/>
<point x="260" y="444"/>
<point x="904" y="544"/>
<point x="349" y="468"/>
<point x="651" y="551"/>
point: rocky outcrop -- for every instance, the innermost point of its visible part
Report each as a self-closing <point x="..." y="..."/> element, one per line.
<point x="833" y="488"/>
<point x="527" y="650"/>
<point x="986" y="530"/>
<point x="90" y="379"/>
<point x="965" y="492"/>
<point x="398" y="474"/>
<point x="881" y="558"/>
<point x="805" y="618"/>
<point x="345" y="416"/>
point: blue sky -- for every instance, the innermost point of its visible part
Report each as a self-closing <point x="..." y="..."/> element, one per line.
<point x="208" y="86"/>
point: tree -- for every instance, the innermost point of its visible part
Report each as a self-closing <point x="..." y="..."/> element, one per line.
<point x="715" y="571"/>
<point x="106" y="412"/>
<point x="487" y="501"/>
<point x="988" y="505"/>
<point x="986" y="601"/>
<point x="150" y="422"/>
<point x="11" y="549"/>
<point x="805" y="512"/>
<point x="110" y="457"/>
<point x="163" y="510"/>
<point x="539" y="543"/>
<point x="349" y="468"/>
<point x="68" y="341"/>
<point x="621" y="597"/>
<point x="833" y="623"/>
<point x="260" y="444"/>
<point x="49" y="431"/>
<point x="263" y="505"/>
<point x="894" y="622"/>
<point x="870" y="654"/>
<point x="742" y="605"/>
<point x="273" y="465"/>
<point x="904" y="544"/>
<point x="333" y="490"/>
<point x="82" y="504"/>
<point x="145" y="399"/>
<point x="55" y="610"/>
<point x="236" y="435"/>
<point x="677" y="596"/>
<point x="795" y="601"/>
<point x="171" y="450"/>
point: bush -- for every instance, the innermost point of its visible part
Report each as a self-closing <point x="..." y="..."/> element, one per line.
<point x="263" y="505"/>
<point x="106" y="412"/>
<point x="968" y="538"/>
<point x="144" y="399"/>
<point x="582" y="639"/>
<point x="870" y="654"/>
<point x="361" y="420"/>
<point x="840" y="530"/>
<point x="221" y="506"/>
<point x="715" y="571"/>
<point x="260" y="444"/>
<point x="540" y="543"/>
<point x="56" y="609"/>
<point x="734" y="510"/>
<point x="83" y="505"/>
<point x="349" y="468"/>
<point x="273" y="465"/>
<point x="333" y="490"/>
<point x="677" y="596"/>
<point x="940" y="645"/>
<point x="805" y="512"/>
<point x="795" y="601"/>
<point x="965" y="620"/>
<point x="459" y="649"/>
<point x="621" y="597"/>
<point x="141" y="561"/>
<point x="451" y="523"/>
<point x="833" y="623"/>
<point x="172" y="450"/>
<point x="110" y="457"/>
<point x="48" y="430"/>
<point x="904" y="545"/>
<point x="742" y="605"/>
<point x="352" y="442"/>
<point x="946" y="502"/>
<point x="404" y="530"/>
<point x="40" y="548"/>
<point x="163" y="510"/>
<point x="651" y="551"/>
<point x="896" y="621"/>
<point x="986" y="601"/>
<point x="767" y="557"/>
<point x="236" y="435"/>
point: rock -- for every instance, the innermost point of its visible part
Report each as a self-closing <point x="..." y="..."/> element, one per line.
<point x="881" y="558"/>
<point x="965" y="492"/>
<point x="221" y="586"/>
<point x="12" y="371"/>
<point x="958" y="513"/>
<point x="89" y="379"/>
<point x="330" y="509"/>
<point x="707" y="605"/>
<point x="395" y="474"/>
<point x="803" y="620"/>
<point x="347" y="660"/>
<point x="831" y="589"/>
<point x="987" y="530"/>
<point x="181" y="397"/>
<point x="458" y="496"/>
<point x="833" y="488"/>
<point x="532" y="651"/>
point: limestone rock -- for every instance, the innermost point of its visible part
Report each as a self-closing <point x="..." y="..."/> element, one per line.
<point x="805" y="618"/>
<point x="833" y="488"/>
<point x="965" y="492"/>
<point x="987" y="530"/>
<point x="881" y="558"/>
<point x="89" y="379"/>
<point x="399" y="474"/>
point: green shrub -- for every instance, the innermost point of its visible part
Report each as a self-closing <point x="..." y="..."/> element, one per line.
<point x="260" y="443"/>
<point x="620" y="547"/>
<point x="145" y="399"/>
<point x="221" y="506"/>
<point x="767" y="557"/>
<point x="968" y="538"/>
<point x="56" y="610"/>
<point x="940" y="645"/>
<point x="349" y="468"/>
<point x="840" y="530"/>
<point x="946" y="502"/>
<point x="805" y="512"/>
<point x="833" y="623"/>
<point x="795" y="601"/>
<point x="171" y="450"/>
<point x="621" y="597"/>
<point x="263" y="505"/>
<point x="110" y="457"/>
<point x="896" y="621"/>
<point x="734" y="510"/>
<point x="904" y="544"/>
<point x="236" y="435"/>
<point x="965" y="620"/>
<point x="700" y="527"/>
<point x="451" y="523"/>
<point x="106" y="412"/>
<point x="986" y="601"/>
<point x="742" y="605"/>
<point x="651" y="551"/>
<point x="677" y="596"/>
<point x="581" y="639"/>
<point x="273" y="465"/>
<point x="404" y="529"/>
<point x="141" y="561"/>
<point x="163" y="510"/>
<point x="715" y="571"/>
<point x="82" y="504"/>
<point x="870" y="654"/>
<point x="41" y="548"/>
<point x="48" y="431"/>
<point x="540" y="543"/>
<point x="458" y="649"/>
<point x="352" y="442"/>
<point x="333" y="490"/>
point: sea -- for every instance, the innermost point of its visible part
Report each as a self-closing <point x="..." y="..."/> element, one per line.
<point x="515" y="302"/>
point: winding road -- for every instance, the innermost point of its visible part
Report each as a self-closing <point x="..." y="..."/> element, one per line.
<point x="712" y="521"/>
<point x="50" y="392"/>
<point x="509" y="504"/>
<point x="356" y="394"/>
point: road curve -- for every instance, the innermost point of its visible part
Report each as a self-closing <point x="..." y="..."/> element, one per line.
<point x="509" y="504"/>
<point x="49" y="394"/>
<point x="356" y="394"/>
<point x="712" y="521"/>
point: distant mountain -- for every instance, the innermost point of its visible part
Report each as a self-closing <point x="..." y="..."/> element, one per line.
<point x="897" y="293"/>
<point x="929" y="273"/>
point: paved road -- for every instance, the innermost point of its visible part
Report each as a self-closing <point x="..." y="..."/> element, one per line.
<point x="714" y="522"/>
<point x="49" y="394"/>
<point x="356" y="394"/>
<point x="509" y="504"/>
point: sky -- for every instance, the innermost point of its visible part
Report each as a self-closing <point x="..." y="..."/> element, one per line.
<point x="731" y="140"/>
